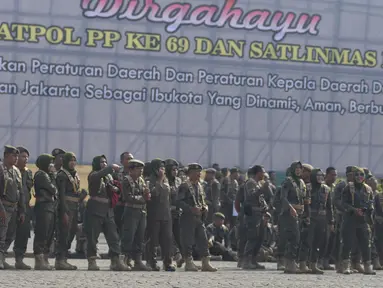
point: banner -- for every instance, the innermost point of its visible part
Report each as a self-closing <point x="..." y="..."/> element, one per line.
<point x="232" y="82"/>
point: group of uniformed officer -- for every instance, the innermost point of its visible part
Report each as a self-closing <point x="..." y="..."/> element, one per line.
<point x="134" y="204"/>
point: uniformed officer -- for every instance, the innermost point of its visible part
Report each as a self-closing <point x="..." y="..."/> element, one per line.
<point x="212" y="191"/>
<point x="12" y="203"/>
<point x="171" y="171"/>
<point x="135" y="194"/>
<point x="125" y="157"/>
<point x="159" y="217"/>
<point x="357" y="201"/>
<point x="46" y="195"/>
<point x="68" y="184"/>
<point x="99" y="214"/>
<point x="294" y="212"/>
<point x="255" y="206"/>
<point x="23" y="229"/>
<point x="229" y="190"/>
<point x="191" y="200"/>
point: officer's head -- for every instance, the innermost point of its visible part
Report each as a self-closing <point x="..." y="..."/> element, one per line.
<point x="125" y="157"/>
<point x="210" y="174"/>
<point x="23" y="157"/>
<point x="11" y="155"/>
<point x="136" y="167"/>
<point x="194" y="171"/>
<point x="359" y="175"/>
<point x="219" y="219"/>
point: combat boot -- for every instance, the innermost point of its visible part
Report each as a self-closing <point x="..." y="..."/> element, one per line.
<point x="139" y="265"/>
<point x="177" y="257"/>
<point x="40" y="263"/>
<point x="240" y="262"/>
<point x="338" y="267"/>
<point x="62" y="264"/>
<point x="20" y="265"/>
<point x="281" y="264"/>
<point x="376" y="264"/>
<point x="315" y="269"/>
<point x="320" y="264"/>
<point x="46" y="260"/>
<point x="291" y="267"/>
<point x="346" y="267"/>
<point x="368" y="268"/>
<point x="8" y="266"/>
<point x="116" y="264"/>
<point x="356" y="266"/>
<point x="153" y="266"/>
<point x="2" y="261"/>
<point x="206" y="266"/>
<point x="303" y="267"/>
<point x="128" y="261"/>
<point x="326" y="264"/>
<point x="169" y="267"/>
<point x="190" y="266"/>
<point x="248" y="264"/>
<point x="180" y="262"/>
<point x="92" y="264"/>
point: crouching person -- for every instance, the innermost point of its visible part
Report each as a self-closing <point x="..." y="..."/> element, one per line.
<point x="219" y="240"/>
<point x="99" y="215"/>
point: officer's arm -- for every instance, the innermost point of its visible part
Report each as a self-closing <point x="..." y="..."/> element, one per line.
<point x="225" y="190"/>
<point x="215" y="190"/>
<point x="62" y="182"/>
<point x="307" y="202"/>
<point x="347" y="200"/>
<point x="338" y="197"/>
<point x="209" y="231"/>
<point x="43" y="182"/>
<point x="285" y="189"/>
<point x="155" y="188"/>
<point x="102" y="173"/>
<point x="21" y="203"/>
<point x="129" y="196"/>
<point x="233" y="191"/>
<point x="183" y="191"/>
<point x="239" y="200"/>
<point x="226" y="238"/>
<point x="329" y="210"/>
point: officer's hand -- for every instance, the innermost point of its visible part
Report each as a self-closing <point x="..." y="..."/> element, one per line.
<point x="22" y="218"/>
<point x="359" y="212"/>
<point x="196" y="211"/>
<point x="2" y="217"/>
<point x="65" y="219"/>
<point x="115" y="167"/>
<point x="293" y="212"/>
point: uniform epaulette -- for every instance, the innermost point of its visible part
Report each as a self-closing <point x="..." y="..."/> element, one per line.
<point x="17" y="171"/>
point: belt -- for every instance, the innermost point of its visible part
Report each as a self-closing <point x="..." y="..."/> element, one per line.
<point x="100" y="199"/>
<point x="135" y="206"/>
<point x="320" y="212"/>
<point x="11" y="204"/>
<point x="119" y="203"/>
<point x="72" y="199"/>
<point x="257" y="209"/>
<point x="42" y="199"/>
<point x="298" y="207"/>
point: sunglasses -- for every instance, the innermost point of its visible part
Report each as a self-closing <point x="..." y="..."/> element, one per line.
<point x="359" y="174"/>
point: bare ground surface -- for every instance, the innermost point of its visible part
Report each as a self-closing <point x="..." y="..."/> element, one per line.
<point x="227" y="276"/>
